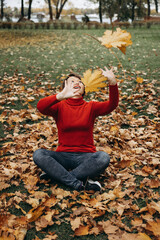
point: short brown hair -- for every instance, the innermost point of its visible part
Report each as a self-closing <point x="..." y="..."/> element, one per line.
<point x="72" y="75"/>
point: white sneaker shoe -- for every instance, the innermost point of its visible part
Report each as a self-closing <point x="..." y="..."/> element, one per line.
<point x="93" y="185"/>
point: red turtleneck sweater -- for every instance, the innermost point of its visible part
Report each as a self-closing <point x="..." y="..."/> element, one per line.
<point x="75" y="119"/>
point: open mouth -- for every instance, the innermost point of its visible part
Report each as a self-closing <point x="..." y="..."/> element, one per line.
<point x="76" y="87"/>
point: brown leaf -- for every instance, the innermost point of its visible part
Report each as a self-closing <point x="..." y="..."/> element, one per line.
<point x="6" y="235"/>
<point x="96" y="230"/>
<point x="143" y="236"/>
<point x="50" y="202"/>
<point x="136" y="222"/>
<point x="108" y="227"/>
<point x="154" y="227"/>
<point x="154" y="205"/>
<point x="34" y="214"/>
<point x="45" y="220"/>
<point x="82" y="231"/>
<point x="75" y="223"/>
<point x="79" y="211"/>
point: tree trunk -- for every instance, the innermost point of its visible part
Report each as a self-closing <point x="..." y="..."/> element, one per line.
<point x="100" y="10"/>
<point x="22" y="9"/>
<point x="29" y="9"/>
<point x="50" y="10"/>
<point x="156" y="5"/>
<point x="2" y="7"/>
<point x="60" y="8"/>
<point x="149" y="8"/>
<point x="133" y="9"/>
<point x="118" y="12"/>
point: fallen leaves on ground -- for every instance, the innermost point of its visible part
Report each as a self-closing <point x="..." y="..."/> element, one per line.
<point x="128" y="206"/>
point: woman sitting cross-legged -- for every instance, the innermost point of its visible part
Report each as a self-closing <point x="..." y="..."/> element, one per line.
<point x="76" y="160"/>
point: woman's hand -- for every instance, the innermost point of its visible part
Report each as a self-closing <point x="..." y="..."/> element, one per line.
<point x="67" y="92"/>
<point x="110" y="75"/>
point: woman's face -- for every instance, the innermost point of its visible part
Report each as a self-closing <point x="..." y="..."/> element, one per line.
<point x="77" y="84"/>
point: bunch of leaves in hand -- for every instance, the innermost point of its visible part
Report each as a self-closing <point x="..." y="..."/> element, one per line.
<point x="93" y="80"/>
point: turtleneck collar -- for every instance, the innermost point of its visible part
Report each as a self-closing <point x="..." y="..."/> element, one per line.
<point x="75" y="101"/>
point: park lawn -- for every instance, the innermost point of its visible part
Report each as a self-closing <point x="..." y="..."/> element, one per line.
<point x="32" y="63"/>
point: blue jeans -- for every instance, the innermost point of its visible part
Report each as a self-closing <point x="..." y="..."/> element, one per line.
<point x="70" y="168"/>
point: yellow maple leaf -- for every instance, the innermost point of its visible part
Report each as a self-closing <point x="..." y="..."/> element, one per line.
<point x="118" y="39"/>
<point x="139" y="80"/>
<point x="93" y="80"/>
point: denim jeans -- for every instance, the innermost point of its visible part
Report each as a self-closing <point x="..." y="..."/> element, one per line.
<point x="70" y="168"/>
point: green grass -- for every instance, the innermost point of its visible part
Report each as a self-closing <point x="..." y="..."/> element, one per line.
<point x="64" y="50"/>
<point x="48" y="54"/>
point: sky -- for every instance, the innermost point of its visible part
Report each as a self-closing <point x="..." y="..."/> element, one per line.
<point x="41" y="3"/>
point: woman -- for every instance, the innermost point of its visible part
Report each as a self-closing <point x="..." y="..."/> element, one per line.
<point x="76" y="158"/>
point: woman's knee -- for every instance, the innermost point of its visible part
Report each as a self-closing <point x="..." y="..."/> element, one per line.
<point x="37" y="155"/>
<point x="103" y="159"/>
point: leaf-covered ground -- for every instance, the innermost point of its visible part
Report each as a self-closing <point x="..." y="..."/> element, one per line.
<point x="129" y="205"/>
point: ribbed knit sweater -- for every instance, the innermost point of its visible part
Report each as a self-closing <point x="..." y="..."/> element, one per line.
<point x="75" y="119"/>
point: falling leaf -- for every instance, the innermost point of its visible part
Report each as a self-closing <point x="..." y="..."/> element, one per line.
<point x="93" y="80"/>
<point x="118" y="39"/>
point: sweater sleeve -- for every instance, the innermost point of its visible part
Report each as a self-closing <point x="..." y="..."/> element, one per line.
<point x="48" y="105"/>
<point x="103" y="108"/>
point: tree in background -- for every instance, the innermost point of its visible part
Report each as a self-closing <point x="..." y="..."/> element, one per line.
<point x="100" y="10"/>
<point x="149" y="8"/>
<point x="109" y="8"/>
<point x="59" y="4"/>
<point x="22" y="9"/>
<point x="133" y="5"/>
<point x="156" y="5"/>
<point x="50" y="9"/>
<point x="2" y="9"/>
<point x="29" y="9"/>
<point x="129" y="9"/>
<point x="124" y="13"/>
<point x="141" y="8"/>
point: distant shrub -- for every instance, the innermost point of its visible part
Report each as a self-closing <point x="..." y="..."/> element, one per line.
<point x="68" y="25"/>
<point x="75" y="25"/>
<point x="37" y="25"/>
<point x="48" y="25"/>
<point x="43" y="25"/>
<point x="62" y="25"/>
<point x="55" y="25"/>
<point x="121" y="24"/>
<point x="106" y="25"/>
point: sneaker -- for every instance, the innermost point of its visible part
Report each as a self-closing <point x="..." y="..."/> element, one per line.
<point x="92" y="185"/>
<point x="44" y="176"/>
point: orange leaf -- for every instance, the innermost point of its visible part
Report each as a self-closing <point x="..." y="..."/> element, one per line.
<point x="34" y="214"/>
<point x="154" y="227"/>
<point x="139" y="80"/>
<point x="93" y="80"/>
<point x="143" y="236"/>
<point x="118" y="39"/>
<point x="81" y="231"/>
